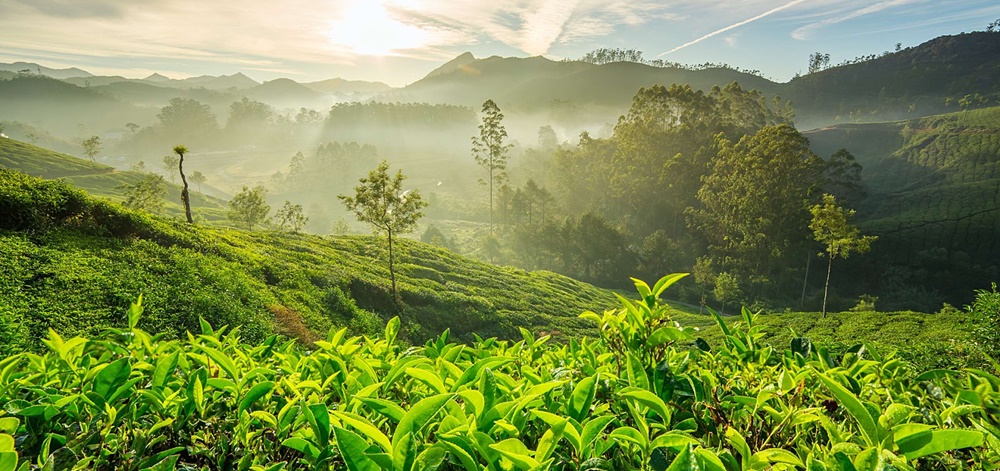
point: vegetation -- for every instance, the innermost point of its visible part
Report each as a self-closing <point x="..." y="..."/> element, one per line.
<point x="380" y="201"/>
<point x="637" y="397"/>
<point x="146" y="194"/>
<point x="490" y="150"/>
<point x="831" y="227"/>
<point x="290" y="216"/>
<point x="185" y="193"/>
<point x="92" y="147"/>
<point x="249" y="208"/>
<point x="70" y="261"/>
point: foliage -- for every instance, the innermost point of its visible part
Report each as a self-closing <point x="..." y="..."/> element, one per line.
<point x="92" y="147"/>
<point x="198" y="178"/>
<point x="490" y="150"/>
<point x="818" y="61"/>
<point x="380" y="201"/>
<point x="831" y="226"/>
<point x="146" y="194"/>
<point x="985" y="311"/>
<point x="249" y="208"/>
<point x="637" y="398"/>
<point x="170" y="163"/>
<point x="290" y="216"/>
<point x="185" y="191"/>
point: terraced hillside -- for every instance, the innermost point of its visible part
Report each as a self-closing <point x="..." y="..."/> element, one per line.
<point x="99" y="179"/>
<point x="74" y="262"/>
<point x="933" y="184"/>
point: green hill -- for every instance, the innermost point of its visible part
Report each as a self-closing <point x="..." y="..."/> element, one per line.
<point x="912" y="82"/>
<point x="73" y="262"/>
<point x="98" y="179"/>
<point x="65" y="109"/>
<point x="934" y="190"/>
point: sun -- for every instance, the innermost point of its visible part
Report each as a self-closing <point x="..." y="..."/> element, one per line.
<point x="367" y="28"/>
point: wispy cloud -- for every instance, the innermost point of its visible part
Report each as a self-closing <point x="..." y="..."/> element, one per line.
<point x="806" y="32"/>
<point x="734" y="26"/>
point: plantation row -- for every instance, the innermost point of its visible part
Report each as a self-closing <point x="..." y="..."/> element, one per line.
<point x="639" y="397"/>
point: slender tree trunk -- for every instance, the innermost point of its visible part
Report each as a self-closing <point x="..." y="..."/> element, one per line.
<point x="826" y="288"/>
<point x="392" y="271"/>
<point x="185" y="196"/>
<point x="805" y="280"/>
<point x="491" y="195"/>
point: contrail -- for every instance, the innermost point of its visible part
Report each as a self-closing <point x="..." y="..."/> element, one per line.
<point x="737" y="25"/>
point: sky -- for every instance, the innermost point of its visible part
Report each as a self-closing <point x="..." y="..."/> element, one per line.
<point x="400" y="41"/>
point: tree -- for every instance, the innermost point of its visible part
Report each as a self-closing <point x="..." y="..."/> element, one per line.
<point x="32" y="137"/>
<point x="185" y="194"/>
<point x="132" y="127"/>
<point x="169" y="163"/>
<point x="92" y="147"/>
<point x="727" y="289"/>
<point x="490" y="150"/>
<point x="188" y="120"/>
<point x="994" y="26"/>
<point x="291" y="215"/>
<point x="198" y="178"/>
<point x="842" y="178"/>
<point x="146" y="194"/>
<point x="380" y="201"/>
<point x="249" y="207"/>
<point x="547" y="139"/>
<point x="831" y="227"/>
<point x="818" y="61"/>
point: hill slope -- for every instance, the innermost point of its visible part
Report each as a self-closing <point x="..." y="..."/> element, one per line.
<point x="98" y="179"/>
<point x="934" y="190"/>
<point x="72" y="261"/>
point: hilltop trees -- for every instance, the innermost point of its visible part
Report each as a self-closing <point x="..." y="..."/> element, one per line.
<point x="92" y="147"/>
<point x="290" y="216"/>
<point x="185" y="193"/>
<point x="249" y="207"/>
<point x="831" y="227"/>
<point x="379" y="200"/>
<point x="818" y="61"/>
<point x="490" y="150"/>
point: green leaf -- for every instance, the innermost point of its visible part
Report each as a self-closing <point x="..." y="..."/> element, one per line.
<point x="256" y="392"/>
<point x="593" y="429"/>
<point x="404" y="452"/>
<point x="134" y="311"/>
<point x="223" y="361"/>
<point x="649" y="400"/>
<point x="629" y="435"/>
<point x="922" y="444"/>
<point x="857" y="409"/>
<point x="583" y="397"/>
<point x="9" y="425"/>
<point x="303" y="446"/>
<point x="516" y="452"/>
<point x="418" y="416"/>
<point x="164" y="369"/>
<point x="722" y="323"/>
<point x="663" y="283"/>
<point x="352" y="449"/>
<point x="667" y="334"/>
<point x="685" y="461"/>
<point x="777" y="455"/>
<point x="8" y="461"/>
<point x="430" y="379"/>
<point x="385" y="407"/>
<point x="673" y="441"/>
<point x="319" y="419"/>
<point x="111" y="376"/>
<point x="550" y="439"/>
<point x="365" y="427"/>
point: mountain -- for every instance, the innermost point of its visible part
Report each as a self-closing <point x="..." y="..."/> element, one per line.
<point x="156" y="78"/>
<point x="933" y="188"/>
<point x="535" y="83"/>
<point x="285" y="93"/>
<point x="65" y="109"/>
<point x="341" y="86"/>
<point x="222" y="82"/>
<point x="918" y="81"/>
<point x="34" y="68"/>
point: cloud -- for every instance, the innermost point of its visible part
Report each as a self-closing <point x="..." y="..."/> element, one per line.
<point x="733" y="26"/>
<point x="807" y="31"/>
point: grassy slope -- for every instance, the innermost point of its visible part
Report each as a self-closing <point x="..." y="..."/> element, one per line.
<point x="99" y="179"/>
<point x="933" y="182"/>
<point x="75" y="263"/>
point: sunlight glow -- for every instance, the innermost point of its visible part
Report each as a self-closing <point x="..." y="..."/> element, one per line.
<point x="367" y="28"/>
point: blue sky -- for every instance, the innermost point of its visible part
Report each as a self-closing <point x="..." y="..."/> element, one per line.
<point x="398" y="41"/>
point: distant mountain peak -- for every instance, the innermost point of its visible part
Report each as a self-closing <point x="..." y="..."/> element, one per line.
<point x="463" y="59"/>
<point x="156" y="77"/>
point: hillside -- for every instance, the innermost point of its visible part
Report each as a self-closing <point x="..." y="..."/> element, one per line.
<point x="99" y="179"/>
<point x="913" y="82"/>
<point x="74" y="262"/>
<point x="65" y="109"/>
<point x="933" y="186"/>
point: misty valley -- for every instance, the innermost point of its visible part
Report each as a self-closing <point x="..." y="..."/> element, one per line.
<point x="513" y="263"/>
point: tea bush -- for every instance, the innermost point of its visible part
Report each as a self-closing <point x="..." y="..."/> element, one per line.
<point x="647" y="394"/>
